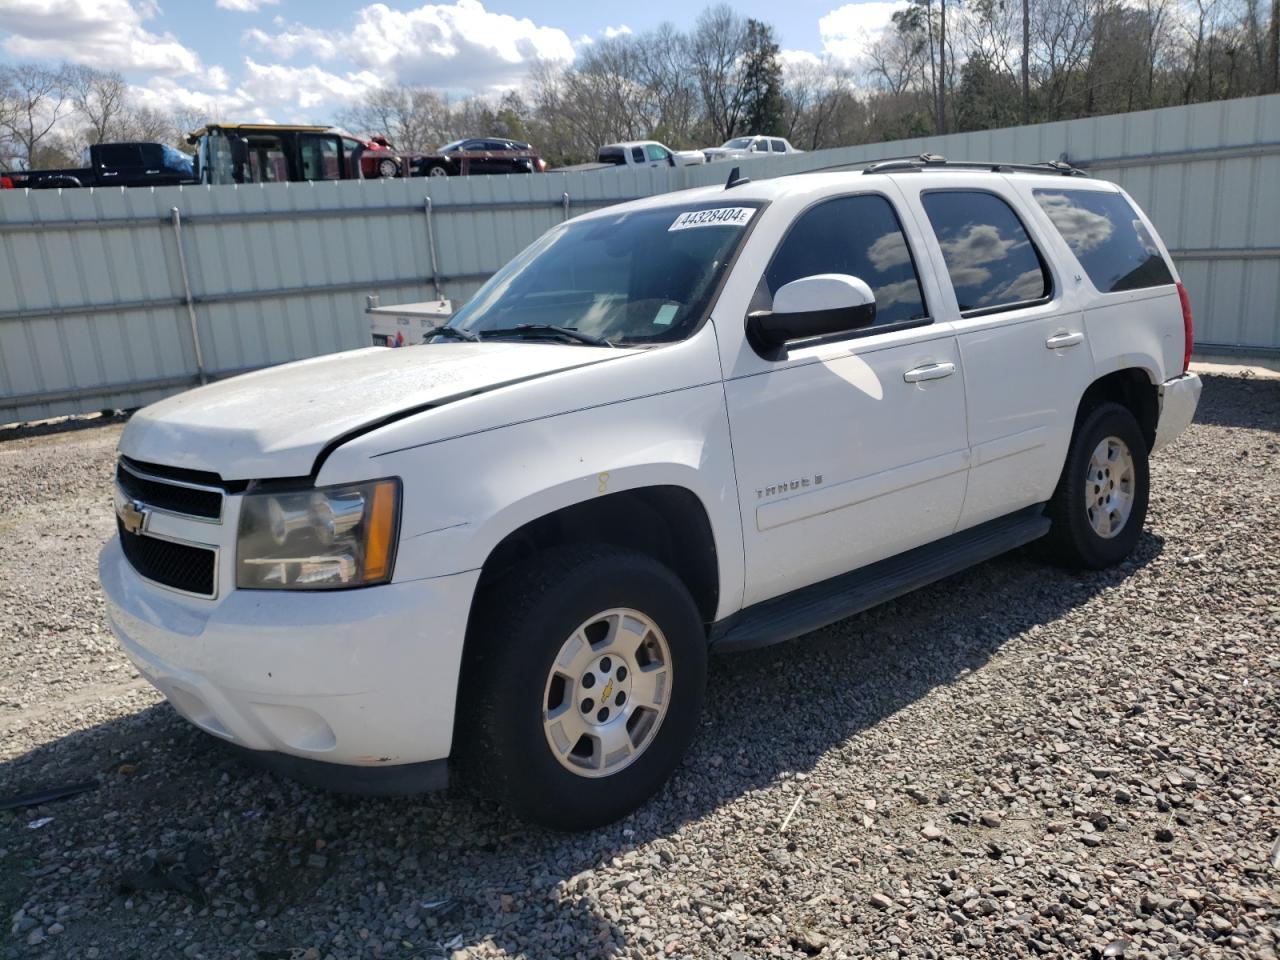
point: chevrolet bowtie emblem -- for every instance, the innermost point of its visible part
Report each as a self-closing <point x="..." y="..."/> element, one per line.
<point x="132" y="514"/>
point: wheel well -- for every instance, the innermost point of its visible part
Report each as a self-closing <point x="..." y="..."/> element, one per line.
<point x="1131" y="388"/>
<point x="667" y="523"/>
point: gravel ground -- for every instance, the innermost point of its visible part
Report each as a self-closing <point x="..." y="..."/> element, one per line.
<point x="1016" y="762"/>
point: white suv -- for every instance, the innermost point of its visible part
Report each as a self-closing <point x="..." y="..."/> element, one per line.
<point x="710" y="420"/>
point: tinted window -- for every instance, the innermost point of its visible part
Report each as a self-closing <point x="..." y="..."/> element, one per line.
<point x="637" y="154"/>
<point x="612" y="155"/>
<point x="1108" y="238"/>
<point x="859" y="236"/>
<point x="496" y="145"/>
<point x="991" y="260"/>
<point x="778" y="146"/>
<point x="119" y="155"/>
<point x="151" y="154"/>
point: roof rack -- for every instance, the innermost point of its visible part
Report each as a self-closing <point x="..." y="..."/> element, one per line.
<point x="935" y="161"/>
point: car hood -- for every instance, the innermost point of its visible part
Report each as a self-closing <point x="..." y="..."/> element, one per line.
<point x="276" y="422"/>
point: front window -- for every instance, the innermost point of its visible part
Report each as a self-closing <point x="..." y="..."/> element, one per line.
<point x="859" y="236"/>
<point x="646" y="276"/>
<point x="737" y="143"/>
<point x="656" y="152"/>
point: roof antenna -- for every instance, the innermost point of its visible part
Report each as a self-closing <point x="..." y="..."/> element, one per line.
<point x="735" y="180"/>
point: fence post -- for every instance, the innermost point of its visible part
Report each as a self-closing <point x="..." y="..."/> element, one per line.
<point x="565" y="201"/>
<point x="176" y="219"/>
<point x="431" y="246"/>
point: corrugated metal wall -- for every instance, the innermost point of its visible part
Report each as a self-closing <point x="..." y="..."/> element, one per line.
<point x="94" y="310"/>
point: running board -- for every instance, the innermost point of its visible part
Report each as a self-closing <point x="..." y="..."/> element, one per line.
<point x="816" y="606"/>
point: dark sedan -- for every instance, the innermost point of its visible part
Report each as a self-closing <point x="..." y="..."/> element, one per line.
<point x="479" y="155"/>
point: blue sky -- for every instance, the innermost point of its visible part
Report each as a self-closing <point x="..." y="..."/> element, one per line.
<point x="308" y="59"/>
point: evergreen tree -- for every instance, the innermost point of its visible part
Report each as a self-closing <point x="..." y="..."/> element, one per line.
<point x="763" y="108"/>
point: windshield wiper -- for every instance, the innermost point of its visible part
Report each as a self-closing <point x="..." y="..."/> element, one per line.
<point x="547" y="329"/>
<point x="445" y="330"/>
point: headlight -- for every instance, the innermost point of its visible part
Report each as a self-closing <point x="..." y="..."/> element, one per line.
<point x="318" y="539"/>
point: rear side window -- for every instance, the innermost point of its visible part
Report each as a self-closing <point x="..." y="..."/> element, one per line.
<point x="119" y="155"/>
<point x="1108" y="237"/>
<point x="992" y="262"/>
<point x="859" y="236"/>
<point x="637" y="155"/>
<point x="613" y="155"/>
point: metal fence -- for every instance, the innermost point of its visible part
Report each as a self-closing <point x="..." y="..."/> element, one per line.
<point x="115" y="297"/>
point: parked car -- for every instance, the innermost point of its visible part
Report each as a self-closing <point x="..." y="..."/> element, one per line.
<point x="740" y="147"/>
<point x="276" y="153"/>
<point x="708" y="420"/>
<point x="115" y="165"/>
<point x="486" y="155"/>
<point x="378" y="158"/>
<point x="647" y="153"/>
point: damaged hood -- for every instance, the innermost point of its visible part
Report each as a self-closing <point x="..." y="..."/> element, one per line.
<point x="276" y="422"/>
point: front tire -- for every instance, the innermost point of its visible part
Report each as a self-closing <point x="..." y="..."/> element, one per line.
<point x="585" y="677"/>
<point x="1100" y="504"/>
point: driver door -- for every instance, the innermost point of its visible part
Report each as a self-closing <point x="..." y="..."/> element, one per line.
<point x="850" y="448"/>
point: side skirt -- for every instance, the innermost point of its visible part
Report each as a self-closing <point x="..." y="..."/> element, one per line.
<point x="820" y="604"/>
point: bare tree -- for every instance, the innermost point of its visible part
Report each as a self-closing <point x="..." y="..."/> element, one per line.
<point x="716" y="49"/>
<point x="1026" y="61"/>
<point x="101" y="99"/>
<point x="38" y="97"/>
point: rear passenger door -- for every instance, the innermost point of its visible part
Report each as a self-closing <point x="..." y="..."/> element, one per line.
<point x="851" y="448"/>
<point x="1021" y="335"/>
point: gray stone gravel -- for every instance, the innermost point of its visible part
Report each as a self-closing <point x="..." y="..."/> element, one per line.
<point x="1016" y="762"/>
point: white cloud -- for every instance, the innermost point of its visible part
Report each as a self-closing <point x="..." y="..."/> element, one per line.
<point x="277" y="85"/>
<point x="454" y="46"/>
<point x="244" y="6"/>
<point x="103" y="33"/>
<point x="294" y="39"/>
<point x="621" y="30"/>
<point x="847" y="31"/>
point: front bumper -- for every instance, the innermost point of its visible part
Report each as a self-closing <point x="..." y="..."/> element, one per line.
<point x="364" y="678"/>
<point x="1178" y="400"/>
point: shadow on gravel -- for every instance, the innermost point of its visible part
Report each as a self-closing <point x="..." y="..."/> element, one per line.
<point x="1242" y="402"/>
<point x="310" y="866"/>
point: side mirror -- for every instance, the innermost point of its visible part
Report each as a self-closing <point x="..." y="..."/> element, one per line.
<point x="812" y="307"/>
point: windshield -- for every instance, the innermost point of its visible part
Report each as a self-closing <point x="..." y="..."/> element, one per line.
<point x="740" y="143"/>
<point x="645" y="276"/>
<point x="450" y="147"/>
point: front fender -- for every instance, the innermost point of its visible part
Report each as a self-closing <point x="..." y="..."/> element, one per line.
<point x="464" y="495"/>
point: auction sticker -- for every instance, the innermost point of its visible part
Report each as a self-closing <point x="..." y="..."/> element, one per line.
<point x="718" y="217"/>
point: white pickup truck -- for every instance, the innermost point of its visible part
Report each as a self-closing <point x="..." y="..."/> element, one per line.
<point x="710" y="420"/>
<point x="647" y="153"/>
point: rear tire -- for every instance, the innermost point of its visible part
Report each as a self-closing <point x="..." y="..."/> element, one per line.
<point x="438" y="171"/>
<point x="554" y="640"/>
<point x="1100" y="504"/>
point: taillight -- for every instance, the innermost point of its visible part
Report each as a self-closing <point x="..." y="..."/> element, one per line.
<point x="1188" y="330"/>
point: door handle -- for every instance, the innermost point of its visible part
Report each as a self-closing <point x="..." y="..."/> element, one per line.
<point x="930" y="371"/>
<point x="1060" y="340"/>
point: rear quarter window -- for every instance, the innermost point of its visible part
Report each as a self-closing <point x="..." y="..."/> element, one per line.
<point x="1108" y="237"/>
